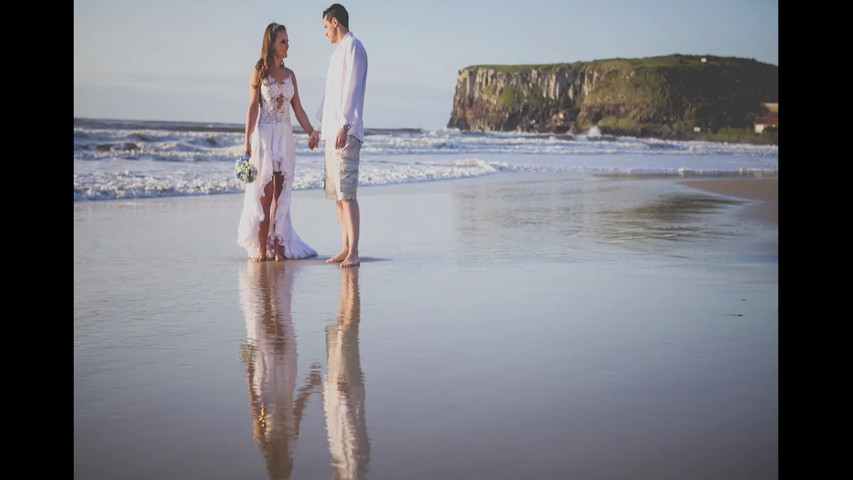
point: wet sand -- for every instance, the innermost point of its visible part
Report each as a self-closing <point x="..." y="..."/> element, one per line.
<point x="765" y="191"/>
<point x="508" y="326"/>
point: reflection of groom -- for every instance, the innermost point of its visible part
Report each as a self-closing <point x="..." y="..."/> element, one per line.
<point x="343" y="390"/>
<point x="342" y="127"/>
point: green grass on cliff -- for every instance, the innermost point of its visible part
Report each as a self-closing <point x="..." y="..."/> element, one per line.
<point x="512" y="99"/>
<point x="522" y="68"/>
<point x="668" y="61"/>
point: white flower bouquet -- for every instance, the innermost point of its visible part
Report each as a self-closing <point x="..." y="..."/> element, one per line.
<point x="245" y="171"/>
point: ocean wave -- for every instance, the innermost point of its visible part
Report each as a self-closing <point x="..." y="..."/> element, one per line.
<point x="159" y="182"/>
<point x="151" y="179"/>
<point x="218" y="144"/>
<point x="137" y="159"/>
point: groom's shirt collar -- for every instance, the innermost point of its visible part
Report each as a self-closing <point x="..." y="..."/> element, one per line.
<point x="347" y="39"/>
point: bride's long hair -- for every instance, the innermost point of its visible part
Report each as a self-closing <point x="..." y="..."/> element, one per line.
<point x="267" y="54"/>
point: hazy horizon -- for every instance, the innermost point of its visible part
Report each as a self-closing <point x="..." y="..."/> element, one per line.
<point x="154" y="65"/>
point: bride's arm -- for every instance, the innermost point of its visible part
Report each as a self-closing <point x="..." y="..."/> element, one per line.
<point x="254" y="103"/>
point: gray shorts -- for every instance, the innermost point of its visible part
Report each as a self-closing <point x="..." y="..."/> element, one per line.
<point x="341" y="179"/>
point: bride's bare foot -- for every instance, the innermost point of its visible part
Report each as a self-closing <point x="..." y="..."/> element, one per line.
<point x="339" y="257"/>
<point x="351" y="261"/>
<point x="279" y="253"/>
<point x="260" y="257"/>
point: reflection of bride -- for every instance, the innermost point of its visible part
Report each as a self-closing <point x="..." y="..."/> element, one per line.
<point x="343" y="390"/>
<point x="270" y="357"/>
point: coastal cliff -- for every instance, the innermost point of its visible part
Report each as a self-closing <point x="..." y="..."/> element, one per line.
<point x="676" y="96"/>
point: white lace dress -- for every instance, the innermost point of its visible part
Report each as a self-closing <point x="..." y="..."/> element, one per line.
<point x="273" y="148"/>
<point x="271" y="359"/>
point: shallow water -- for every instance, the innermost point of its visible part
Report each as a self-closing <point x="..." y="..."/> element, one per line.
<point x="509" y="327"/>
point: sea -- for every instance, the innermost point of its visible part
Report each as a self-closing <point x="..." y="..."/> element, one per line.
<point x="125" y="159"/>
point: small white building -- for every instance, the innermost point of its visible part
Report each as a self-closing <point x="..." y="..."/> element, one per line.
<point x="763" y="123"/>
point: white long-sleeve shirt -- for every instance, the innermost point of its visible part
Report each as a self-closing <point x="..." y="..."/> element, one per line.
<point x="343" y="100"/>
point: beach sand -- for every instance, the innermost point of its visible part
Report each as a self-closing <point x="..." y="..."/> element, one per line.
<point x="508" y="326"/>
<point x="764" y="191"/>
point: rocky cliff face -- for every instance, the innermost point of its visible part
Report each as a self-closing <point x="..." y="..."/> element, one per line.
<point x="663" y="96"/>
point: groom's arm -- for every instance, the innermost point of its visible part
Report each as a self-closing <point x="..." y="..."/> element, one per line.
<point x="354" y="83"/>
<point x="319" y="115"/>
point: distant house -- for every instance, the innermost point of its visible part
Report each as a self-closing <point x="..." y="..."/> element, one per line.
<point x="770" y="122"/>
<point x="764" y="123"/>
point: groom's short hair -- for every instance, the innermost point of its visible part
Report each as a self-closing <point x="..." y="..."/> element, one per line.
<point x="337" y="11"/>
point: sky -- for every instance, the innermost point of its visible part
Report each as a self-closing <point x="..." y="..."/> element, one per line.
<point x="191" y="60"/>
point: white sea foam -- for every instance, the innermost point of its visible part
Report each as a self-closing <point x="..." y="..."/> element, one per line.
<point x="124" y="159"/>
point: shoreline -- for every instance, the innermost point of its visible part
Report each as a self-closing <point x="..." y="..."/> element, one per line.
<point x="704" y="181"/>
<point x="763" y="193"/>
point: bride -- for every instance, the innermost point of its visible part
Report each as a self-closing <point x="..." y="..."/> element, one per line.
<point x="269" y="143"/>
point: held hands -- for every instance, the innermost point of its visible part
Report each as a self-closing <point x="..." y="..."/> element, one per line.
<point x="313" y="140"/>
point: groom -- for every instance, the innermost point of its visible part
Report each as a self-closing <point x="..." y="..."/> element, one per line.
<point x="342" y="127"/>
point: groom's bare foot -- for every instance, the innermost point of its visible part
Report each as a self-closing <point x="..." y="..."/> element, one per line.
<point x="339" y="257"/>
<point x="351" y="261"/>
<point x="260" y="257"/>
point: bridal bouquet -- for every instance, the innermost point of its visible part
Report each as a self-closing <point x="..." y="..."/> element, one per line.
<point x="244" y="171"/>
